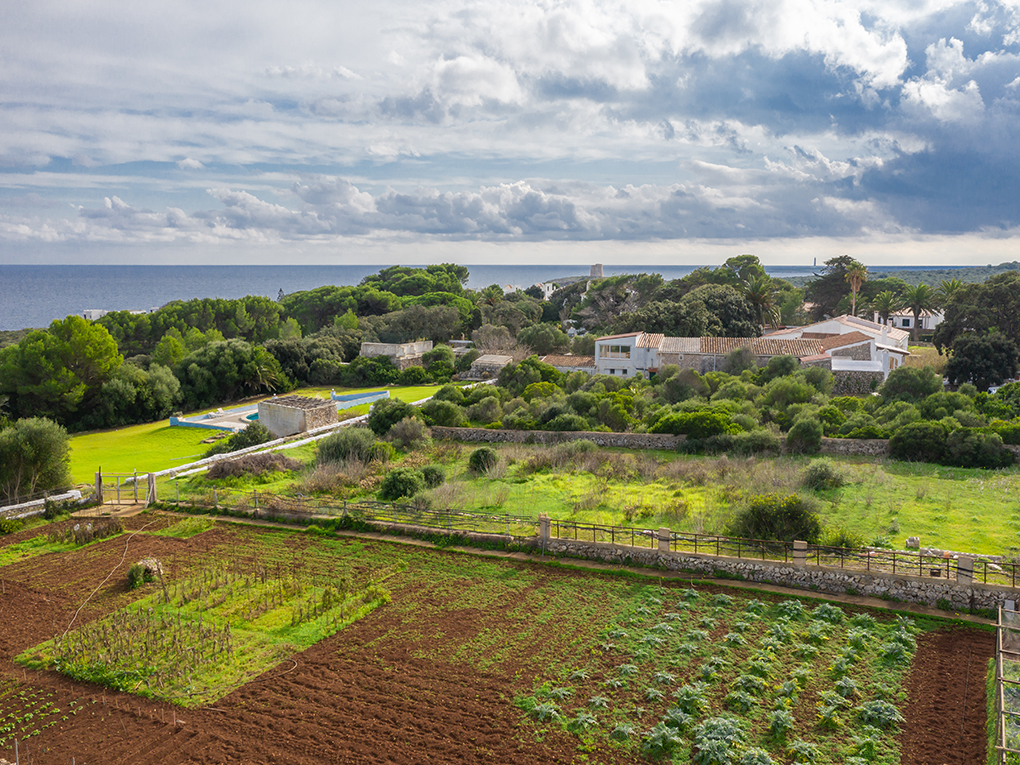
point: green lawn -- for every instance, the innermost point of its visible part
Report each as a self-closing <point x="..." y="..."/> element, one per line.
<point x="156" y="446"/>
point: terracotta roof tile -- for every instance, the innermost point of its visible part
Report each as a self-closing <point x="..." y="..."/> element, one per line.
<point x="680" y="345"/>
<point x="569" y="361"/>
<point x="650" y="340"/>
<point x="850" y="338"/>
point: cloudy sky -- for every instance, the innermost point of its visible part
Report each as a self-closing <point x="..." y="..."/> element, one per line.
<point x="642" y="131"/>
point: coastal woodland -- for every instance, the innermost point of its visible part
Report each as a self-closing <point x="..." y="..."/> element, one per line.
<point x="124" y="368"/>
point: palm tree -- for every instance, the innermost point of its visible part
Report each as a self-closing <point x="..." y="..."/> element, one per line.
<point x="856" y="274"/>
<point x="885" y="303"/>
<point x="918" y="299"/>
<point x="760" y="291"/>
<point x="947" y="288"/>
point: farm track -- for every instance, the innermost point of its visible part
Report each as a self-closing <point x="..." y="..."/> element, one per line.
<point x="375" y="692"/>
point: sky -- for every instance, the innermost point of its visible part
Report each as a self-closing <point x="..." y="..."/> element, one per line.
<point x="573" y="131"/>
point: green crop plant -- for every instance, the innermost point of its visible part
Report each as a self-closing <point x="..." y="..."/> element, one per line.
<point x="598" y="702"/>
<point x="622" y="732"/>
<point x="740" y="701"/>
<point x="878" y="714"/>
<point x="828" y="716"/>
<point x="677" y="718"/>
<point x="756" y="756"/>
<point x="654" y="694"/>
<point x="545" y="711"/>
<point x="751" y="684"/>
<point x="627" y="670"/>
<point x="803" y="752"/>
<point x="718" y="740"/>
<point x="582" y="722"/>
<point x="690" y="698"/>
<point x="559" y="693"/>
<point x="779" y="722"/>
<point x="659" y="741"/>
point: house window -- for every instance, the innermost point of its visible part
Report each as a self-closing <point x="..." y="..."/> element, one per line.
<point x="906" y="323"/>
<point x="616" y="351"/>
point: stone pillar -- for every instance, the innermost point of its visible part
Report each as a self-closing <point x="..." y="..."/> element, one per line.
<point x="799" y="553"/>
<point x="965" y="570"/>
<point x="150" y="492"/>
<point x="664" y="539"/>
<point x="544" y="528"/>
<point x="99" y="487"/>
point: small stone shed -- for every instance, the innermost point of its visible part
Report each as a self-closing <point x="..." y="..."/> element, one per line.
<point x="403" y="355"/>
<point x="488" y="366"/>
<point x="288" y="415"/>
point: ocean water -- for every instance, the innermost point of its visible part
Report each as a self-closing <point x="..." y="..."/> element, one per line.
<point x="33" y="296"/>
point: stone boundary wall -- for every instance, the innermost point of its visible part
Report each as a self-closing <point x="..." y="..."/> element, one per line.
<point x="871" y="447"/>
<point x="498" y="436"/>
<point x="822" y="579"/>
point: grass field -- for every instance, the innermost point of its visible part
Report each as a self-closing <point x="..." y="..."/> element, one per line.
<point x="882" y="501"/>
<point x="156" y="446"/>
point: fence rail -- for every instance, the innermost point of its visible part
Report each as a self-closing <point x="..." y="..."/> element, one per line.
<point x="905" y="563"/>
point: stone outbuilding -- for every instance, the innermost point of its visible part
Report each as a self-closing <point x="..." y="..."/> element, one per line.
<point x="403" y="355"/>
<point x="569" y="363"/>
<point x="287" y="415"/>
<point x="488" y="366"/>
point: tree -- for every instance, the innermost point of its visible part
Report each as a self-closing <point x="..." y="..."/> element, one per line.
<point x="828" y="288"/>
<point x="223" y="371"/>
<point x="856" y="275"/>
<point x="730" y="313"/>
<point x="918" y="299"/>
<point x="983" y="360"/>
<point x="59" y="372"/>
<point x="885" y="303"/>
<point x="34" y="456"/>
<point x="760" y="292"/>
<point x="911" y="384"/>
<point x="544" y="339"/>
<point x="981" y="308"/>
<point x="947" y="289"/>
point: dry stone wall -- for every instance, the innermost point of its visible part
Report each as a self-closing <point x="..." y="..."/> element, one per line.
<point x="910" y="589"/>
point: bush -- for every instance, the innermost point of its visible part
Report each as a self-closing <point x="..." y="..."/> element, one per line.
<point x="387" y="412"/>
<point x="699" y="424"/>
<point x="10" y="525"/>
<point x="401" y="482"/>
<point x="756" y="443"/>
<point x="443" y="413"/>
<point x="482" y="460"/>
<point x="844" y="538"/>
<point x="919" y="442"/>
<point x="972" y="448"/>
<point x="253" y="464"/>
<point x="434" y="476"/>
<point x="911" y="384"/>
<point x="409" y="433"/>
<point x="138" y="575"/>
<point x="568" y="423"/>
<point x="414" y="376"/>
<point x="34" y="456"/>
<point x="772" y="516"/>
<point x="449" y="392"/>
<point x="822" y="475"/>
<point x="345" y="444"/>
<point x="805" y="437"/>
<point x="252" y="435"/>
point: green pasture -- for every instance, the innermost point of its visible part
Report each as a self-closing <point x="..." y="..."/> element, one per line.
<point x="156" y="446"/>
<point x="882" y="502"/>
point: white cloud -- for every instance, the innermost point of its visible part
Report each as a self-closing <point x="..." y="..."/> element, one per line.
<point x="190" y="164"/>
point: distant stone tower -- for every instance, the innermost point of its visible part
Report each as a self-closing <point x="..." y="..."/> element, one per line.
<point x="596" y="271"/>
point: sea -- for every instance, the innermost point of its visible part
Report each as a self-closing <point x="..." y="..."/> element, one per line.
<point x="33" y="296"/>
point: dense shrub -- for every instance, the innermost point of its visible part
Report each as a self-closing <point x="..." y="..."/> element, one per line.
<point x="10" y="525"/>
<point x="755" y="443"/>
<point x="34" y="455"/>
<point x="772" y="516"/>
<point x="911" y="384"/>
<point x="138" y="575"/>
<point x="449" y="392"/>
<point x="444" y="413"/>
<point x="972" y="448"/>
<point x="568" y="422"/>
<point x="414" y="376"/>
<point x="434" y="476"/>
<point x="252" y="435"/>
<point x="919" y="442"/>
<point x="805" y="437"/>
<point x="483" y="459"/>
<point x="486" y="410"/>
<point x="822" y="475"/>
<point x="409" y="433"/>
<point x="401" y="482"/>
<point x="387" y="412"/>
<point x="346" y="444"/>
<point x="699" y="424"/>
<point x="1009" y="432"/>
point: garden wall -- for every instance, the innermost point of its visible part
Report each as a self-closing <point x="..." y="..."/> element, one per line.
<point x="826" y="579"/>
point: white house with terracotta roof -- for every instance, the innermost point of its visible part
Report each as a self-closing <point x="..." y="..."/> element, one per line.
<point x="855" y="349"/>
<point x="843" y="325"/>
<point x="904" y="319"/>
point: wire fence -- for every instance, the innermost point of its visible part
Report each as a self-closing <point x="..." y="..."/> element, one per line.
<point x="927" y="564"/>
<point x="1007" y="687"/>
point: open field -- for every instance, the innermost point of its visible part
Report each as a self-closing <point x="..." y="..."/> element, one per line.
<point x="156" y="446"/>
<point x="434" y="674"/>
<point x="882" y="501"/>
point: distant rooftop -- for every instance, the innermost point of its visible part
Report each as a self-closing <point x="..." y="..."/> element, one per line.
<point x="300" y="402"/>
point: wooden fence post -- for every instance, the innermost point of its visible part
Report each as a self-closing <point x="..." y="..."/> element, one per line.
<point x="99" y="487"/>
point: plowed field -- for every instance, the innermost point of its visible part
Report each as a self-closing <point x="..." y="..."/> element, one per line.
<point x="428" y="678"/>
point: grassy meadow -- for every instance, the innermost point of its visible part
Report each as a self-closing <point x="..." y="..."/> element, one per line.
<point x="881" y="502"/>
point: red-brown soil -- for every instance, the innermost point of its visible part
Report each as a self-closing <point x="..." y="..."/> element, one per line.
<point x="363" y="696"/>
